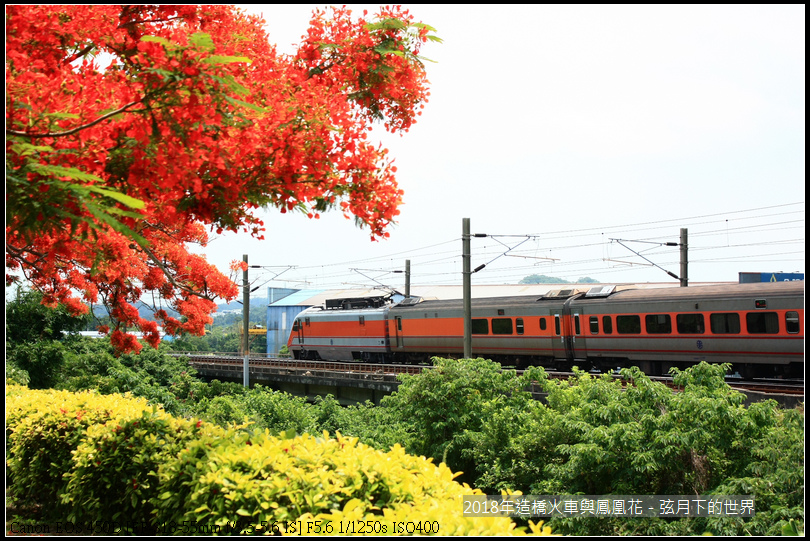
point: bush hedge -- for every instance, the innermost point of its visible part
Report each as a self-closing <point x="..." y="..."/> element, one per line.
<point x="115" y="468"/>
<point x="44" y="428"/>
<point x="305" y="485"/>
<point x="91" y="458"/>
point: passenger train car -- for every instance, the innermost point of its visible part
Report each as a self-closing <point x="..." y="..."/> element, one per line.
<point x="759" y="328"/>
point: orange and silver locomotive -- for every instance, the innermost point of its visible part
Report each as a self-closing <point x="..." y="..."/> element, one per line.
<point x="759" y="328"/>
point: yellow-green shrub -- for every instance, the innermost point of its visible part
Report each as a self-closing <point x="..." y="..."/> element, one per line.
<point x="97" y="457"/>
<point x="19" y="403"/>
<point x="260" y="482"/>
<point x="114" y="473"/>
<point x="44" y="427"/>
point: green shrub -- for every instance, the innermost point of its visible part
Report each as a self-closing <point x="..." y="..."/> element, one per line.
<point x="258" y="483"/>
<point x="443" y="408"/>
<point x="115" y="467"/>
<point x="41" y="360"/>
<point x="15" y="375"/>
<point x="44" y="428"/>
<point x="262" y="407"/>
<point x="377" y="426"/>
<point x="278" y="411"/>
<point x="113" y="458"/>
<point x="774" y="476"/>
<point x="223" y="410"/>
<point x="647" y="439"/>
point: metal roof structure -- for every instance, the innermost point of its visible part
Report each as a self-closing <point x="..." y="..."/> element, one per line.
<point x="317" y="297"/>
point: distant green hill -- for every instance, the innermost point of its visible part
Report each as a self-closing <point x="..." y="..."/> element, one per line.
<point x="256" y="305"/>
<point x="543" y="279"/>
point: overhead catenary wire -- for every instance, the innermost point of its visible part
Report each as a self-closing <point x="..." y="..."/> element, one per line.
<point x="434" y="267"/>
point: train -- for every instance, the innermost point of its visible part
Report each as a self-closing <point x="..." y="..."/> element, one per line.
<point x="758" y="328"/>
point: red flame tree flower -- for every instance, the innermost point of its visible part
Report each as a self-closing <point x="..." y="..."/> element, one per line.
<point x="132" y="131"/>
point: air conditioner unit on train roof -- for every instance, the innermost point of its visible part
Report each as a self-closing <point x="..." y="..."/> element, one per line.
<point x="563" y="293"/>
<point x="558" y="294"/>
<point x="600" y="291"/>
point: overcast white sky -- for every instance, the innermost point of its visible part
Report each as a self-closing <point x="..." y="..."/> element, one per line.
<point x="578" y="124"/>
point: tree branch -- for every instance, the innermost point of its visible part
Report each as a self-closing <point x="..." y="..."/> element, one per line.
<point x="74" y="130"/>
<point x="80" y="54"/>
<point x="168" y="275"/>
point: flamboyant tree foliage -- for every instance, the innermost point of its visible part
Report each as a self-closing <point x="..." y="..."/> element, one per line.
<point x="133" y="131"/>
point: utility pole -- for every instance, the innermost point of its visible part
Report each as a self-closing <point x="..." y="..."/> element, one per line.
<point x="407" y="278"/>
<point x="245" y="324"/>
<point x="467" y="288"/>
<point x="684" y="259"/>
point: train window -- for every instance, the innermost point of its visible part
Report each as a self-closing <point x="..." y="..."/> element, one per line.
<point x="690" y="323"/>
<point x="658" y="323"/>
<point x="362" y="320"/>
<point x="543" y="324"/>
<point x="306" y="321"/>
<point x="519" y="325"/>
<point x="557" y="325"/>
<point x="576" y="323"/>
<point x="607" y="325"/>
<point x="762" y="322"/>
<point x="594" y="321"/>
<point x="399" y="323"/>
<point x="295" y="325"/>
<point x="792" y="322"/>
<point x="502" y="325"/>
<point x="480" y="326"/>
<point x="725" y="323"/>
<point x="628" y="324"/>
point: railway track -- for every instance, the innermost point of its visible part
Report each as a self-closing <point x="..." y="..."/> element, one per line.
<point x="312" y="366"/>
<point x="355" y="369"/>
<point x="789" y="387"/>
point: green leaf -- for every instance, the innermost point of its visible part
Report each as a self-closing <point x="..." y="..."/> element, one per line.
<point x="386" y="24"/>
<point x="127" y="200"/>
<point x="27" y="149"/>
<point x="70" y="172"/>
<point x="83" y="190"/>
<point x="423" y="25"/>
<point x="220" y="59"/>
<point x="383" y="51"/>
<point x="234" y="101"/>
<point x="202" y="40"/>
<point x="157" y="39"/>
<point x="790" y="528"/>
<point x="62" y="115"/>
<point x="101" y="215"/>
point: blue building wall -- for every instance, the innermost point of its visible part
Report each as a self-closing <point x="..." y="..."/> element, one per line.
<point x="281" y="313"/>
<point x="751" y="277"/>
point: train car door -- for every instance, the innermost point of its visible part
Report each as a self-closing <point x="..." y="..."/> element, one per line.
<point x="567" y="328"/>
<point x="300" y="324"/>
<point x="575" y="334"/>
<point x="559" y="342"/>
<point x="398" y="330"/>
